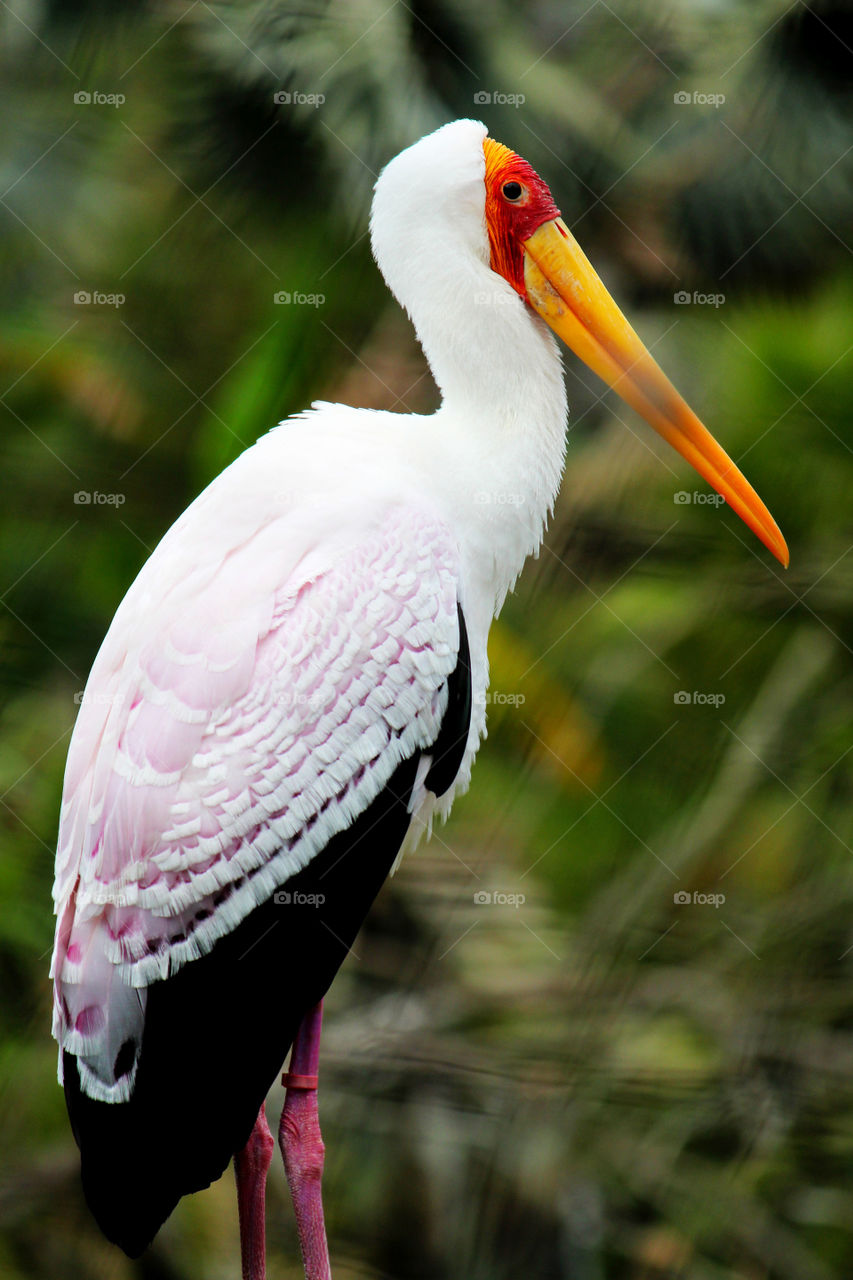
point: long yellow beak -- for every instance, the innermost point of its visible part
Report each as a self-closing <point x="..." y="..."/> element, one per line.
<point x="566" y="291"/>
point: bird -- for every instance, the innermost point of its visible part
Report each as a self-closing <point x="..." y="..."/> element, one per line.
<point x="293" y="691"/>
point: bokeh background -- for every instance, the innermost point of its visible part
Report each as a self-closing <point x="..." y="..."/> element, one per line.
<point x="635" y="1058"/>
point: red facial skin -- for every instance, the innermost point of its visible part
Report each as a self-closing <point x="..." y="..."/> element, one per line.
<point x="511" y="222"/>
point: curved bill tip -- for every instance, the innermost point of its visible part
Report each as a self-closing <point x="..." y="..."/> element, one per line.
<point x="566" y="291"/>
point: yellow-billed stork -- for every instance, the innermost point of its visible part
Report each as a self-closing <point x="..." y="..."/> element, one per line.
<point x="294" y="687"/>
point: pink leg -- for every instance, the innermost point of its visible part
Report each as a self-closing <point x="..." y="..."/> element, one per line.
<point x="250" y="1168"/>
<point x="302" y="1145"/>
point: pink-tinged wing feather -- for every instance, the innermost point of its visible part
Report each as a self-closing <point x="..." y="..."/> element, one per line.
<point x="230" y="727"/>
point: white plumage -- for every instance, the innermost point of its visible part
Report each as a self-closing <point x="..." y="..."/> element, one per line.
<point x="289" y="641"/>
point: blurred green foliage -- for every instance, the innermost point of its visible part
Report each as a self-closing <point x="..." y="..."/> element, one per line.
<point x="601" y="1081"/>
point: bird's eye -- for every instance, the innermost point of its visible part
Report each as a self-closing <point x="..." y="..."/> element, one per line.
<point x="512" y="190"/>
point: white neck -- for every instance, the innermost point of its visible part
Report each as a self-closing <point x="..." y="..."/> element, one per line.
<point x="495" y="448"/>
<point x="498" y="440"/>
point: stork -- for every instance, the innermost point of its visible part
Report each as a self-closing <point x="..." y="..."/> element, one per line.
<point x="293" y="690"/>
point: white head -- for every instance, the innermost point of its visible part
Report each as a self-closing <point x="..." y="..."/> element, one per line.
<point x="431" y="195"/>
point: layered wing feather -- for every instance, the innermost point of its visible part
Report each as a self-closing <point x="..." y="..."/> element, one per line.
<point x="252" y="697"/>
